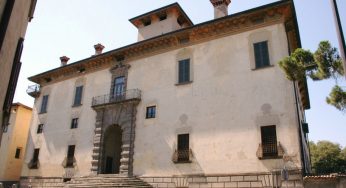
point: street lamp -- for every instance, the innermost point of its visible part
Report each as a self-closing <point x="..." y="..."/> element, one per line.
<point x="340" y="33"/>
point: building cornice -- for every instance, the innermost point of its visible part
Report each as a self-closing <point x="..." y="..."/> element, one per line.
<point x="274" y="13"/>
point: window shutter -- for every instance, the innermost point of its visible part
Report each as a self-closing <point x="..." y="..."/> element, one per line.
<point x="184" y="70"/>
<point x="261" y="54"/>
<point x="44" y="104"/>
<point x="78" y="95"/>
<point x="181" y="71"/>
<point x="257" y="55"/>
<point x="187" y="70"/>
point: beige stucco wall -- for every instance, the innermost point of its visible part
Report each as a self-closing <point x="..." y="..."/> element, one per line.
<point x="222" y="110"/>
<point x="57" y="135"/>
<point x="158" y="27"/>
<point x="16" y="137"/>
<point x="16" y="29"/>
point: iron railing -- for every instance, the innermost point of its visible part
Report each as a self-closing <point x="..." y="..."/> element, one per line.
<point x="118" y="97"/>
<point x="33" y="90"/>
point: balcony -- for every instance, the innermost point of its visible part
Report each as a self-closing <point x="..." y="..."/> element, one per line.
<point x="34" y="90"/>
<point x="129" y="95"/>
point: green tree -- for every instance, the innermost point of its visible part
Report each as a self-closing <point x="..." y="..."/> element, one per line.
<point x="327" y="157"/>
<point x="325" y="63"/>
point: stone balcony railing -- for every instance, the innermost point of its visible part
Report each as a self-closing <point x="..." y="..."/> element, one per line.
<point x="34" y="90"/>
<point x="131" y="94"/>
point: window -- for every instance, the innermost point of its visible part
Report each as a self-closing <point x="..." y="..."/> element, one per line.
<point x="17" y="156"/>
<point x="269" y="142"/>
<point x="34" y="161"/>
<point x="151" y="112"/>
<point x="40" y="128"/>
<point x="74" y="123"/>
<point x="162" y="16"/>
<point x="261" y="54"/>
<point x="184" y="71"/>
<point x="78" y="96"/>
<point x="183" y="148"/>
<point x="70" y="156"/>
<point x="118" y="89"/>
<point x="44" y="104"/>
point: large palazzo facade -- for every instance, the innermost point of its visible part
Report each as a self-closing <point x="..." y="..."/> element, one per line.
<point x="186" y="106"/>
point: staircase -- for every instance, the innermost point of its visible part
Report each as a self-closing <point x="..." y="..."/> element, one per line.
<point x="106" y="181"/>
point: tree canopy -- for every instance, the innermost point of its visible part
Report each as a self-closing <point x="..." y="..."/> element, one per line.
<point x="327" y="157"/>
<point x="325" y="63"/>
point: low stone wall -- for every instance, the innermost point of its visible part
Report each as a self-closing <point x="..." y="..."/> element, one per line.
<point x="326" y="181"/>
<point x="33" y="182"/>
<point x="226" y="181"/>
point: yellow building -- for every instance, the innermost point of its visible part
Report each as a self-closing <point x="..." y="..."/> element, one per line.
<point x="14" y="141"/>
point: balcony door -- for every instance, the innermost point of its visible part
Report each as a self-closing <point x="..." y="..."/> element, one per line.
<point x="118" y="91"/>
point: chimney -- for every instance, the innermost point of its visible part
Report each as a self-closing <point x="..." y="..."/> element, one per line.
<point x="98" y="48"/>
<point x="220" y="8"/>
<point x="64" y="60"/>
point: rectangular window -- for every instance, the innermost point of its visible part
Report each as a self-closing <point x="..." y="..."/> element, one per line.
<point x="151" y="112"/>
<point x="34" y="163"/>
<point x="44" y="104"/>
<point x="184" y="71"/>
<point x="78" y="96"/>
<point x="261" y="54"/>
<point x="17" y="156"/>
<point x="70" y="156"/>
<point x="183" y="148"/>
<point x="269" y="142"/>
<point x="40" y="128"/>
<point x="74" y="123"/>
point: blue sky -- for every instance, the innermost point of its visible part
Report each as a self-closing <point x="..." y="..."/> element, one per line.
<point x="71" y="28"/>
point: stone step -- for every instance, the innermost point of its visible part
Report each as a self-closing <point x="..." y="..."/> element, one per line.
<point x="107" y="181"/>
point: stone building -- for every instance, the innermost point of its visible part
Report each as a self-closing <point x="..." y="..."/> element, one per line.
<point x="14" y="141"/>
<point x="188" y="105"/>
<point x="14" y="18"/>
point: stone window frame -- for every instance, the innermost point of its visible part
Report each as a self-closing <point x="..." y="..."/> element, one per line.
<point x="146" y="112"/>
<point x="256" y="37"/>
<point x="45" y="91"/>
<point x="80" y="82"/>
<point x="184" y="54"/>
<point x="175" y="157"/>
<point x="119" y="70"/>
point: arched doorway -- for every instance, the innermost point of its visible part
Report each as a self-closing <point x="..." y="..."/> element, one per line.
<point x="112" y="150"/>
